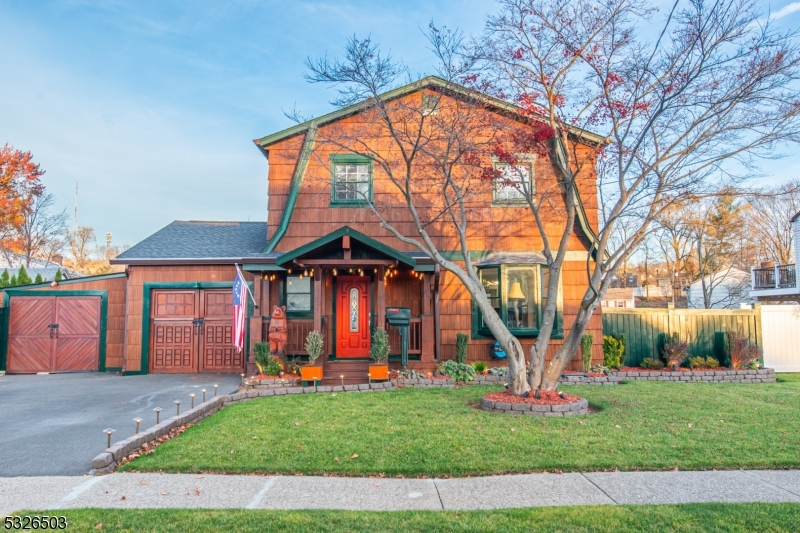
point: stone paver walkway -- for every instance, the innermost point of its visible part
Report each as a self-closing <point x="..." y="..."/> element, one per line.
<point x="126" y="491"/>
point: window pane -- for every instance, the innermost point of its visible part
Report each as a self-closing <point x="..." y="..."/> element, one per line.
<point x="514" y="182"/>
<point x="353" y="309"/>
<point x="298" y="302"/>
<point x="351" y="182"/>
<point x="295" y="284"/>
<point x="491" y="286"/>
<point x="519" y="285"/>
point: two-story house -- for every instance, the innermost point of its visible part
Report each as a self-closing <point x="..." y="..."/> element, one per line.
<point x="325" y="256"/>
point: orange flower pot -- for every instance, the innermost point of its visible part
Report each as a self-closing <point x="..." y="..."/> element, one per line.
<point x="378" y="372"/>
<point x="311" y="373"/>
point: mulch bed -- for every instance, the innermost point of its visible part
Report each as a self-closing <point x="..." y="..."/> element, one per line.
<point x="666" y="369"/>
<point x="264" y="377"/>
<point x="150" y="447"/>
<point x="549" y="397"/>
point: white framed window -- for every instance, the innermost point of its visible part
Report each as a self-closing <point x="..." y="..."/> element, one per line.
<point x="514" y="183"/>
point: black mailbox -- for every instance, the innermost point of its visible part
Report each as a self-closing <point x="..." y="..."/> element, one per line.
<point x="400" y="317"/>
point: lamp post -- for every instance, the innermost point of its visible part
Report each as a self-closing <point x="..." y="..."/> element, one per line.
<point x="138" y="421"/>
<point x="177" y="407"/>
<point x="158" y="414"/>
<point x="192" y="397"/>
<point x="108" y="432"/>
<point x="204" y="395"/>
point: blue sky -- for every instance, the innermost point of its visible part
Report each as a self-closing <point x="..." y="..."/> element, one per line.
<point x="152" y="105"/>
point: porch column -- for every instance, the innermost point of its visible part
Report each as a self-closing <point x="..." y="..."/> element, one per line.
<point x="427" y="332"/>
<point x="318" y="296"/>
<point x="380" y="298"/>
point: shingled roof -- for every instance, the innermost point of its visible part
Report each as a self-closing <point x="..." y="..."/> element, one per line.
<point x="203" y="240"/>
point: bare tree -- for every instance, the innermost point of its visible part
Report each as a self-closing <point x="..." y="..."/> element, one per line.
<point x="80" y="244"/>
<point x="40" y="233"/>
<point x="717" y="85"/>
<point x="769" y="218"/>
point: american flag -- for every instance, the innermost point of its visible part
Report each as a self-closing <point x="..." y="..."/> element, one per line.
<point x="239" y="310"/>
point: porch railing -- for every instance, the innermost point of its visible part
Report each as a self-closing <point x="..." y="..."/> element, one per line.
<point x="414" y="337"/>
<point x="777" y="277"/>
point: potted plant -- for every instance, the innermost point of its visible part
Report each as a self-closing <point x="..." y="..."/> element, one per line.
<point x="379" y="353"/>
<point x="314" y="346"/>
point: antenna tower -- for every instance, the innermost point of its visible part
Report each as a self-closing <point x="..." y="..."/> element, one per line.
<point x="75" y="213"/>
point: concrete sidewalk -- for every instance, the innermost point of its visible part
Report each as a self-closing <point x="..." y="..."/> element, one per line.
<point x="128" y="491"/>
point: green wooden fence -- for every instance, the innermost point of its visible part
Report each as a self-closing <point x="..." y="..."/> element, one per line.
<point x="646" y="329"/>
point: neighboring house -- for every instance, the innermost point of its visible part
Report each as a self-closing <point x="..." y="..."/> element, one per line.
<point x="726" y="289"/>
<point x="778" y="283"/>
<point x="47" y="269"/>
<point x="619" y="298"/>
<point x="327" y="259"/>
<point x="650" y="291"/>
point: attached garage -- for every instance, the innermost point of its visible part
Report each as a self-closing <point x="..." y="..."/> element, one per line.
<point x="54" y="333"/>
<point x="191" y="331"/>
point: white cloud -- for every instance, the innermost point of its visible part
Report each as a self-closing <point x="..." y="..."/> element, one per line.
<point x="785" y="11"/>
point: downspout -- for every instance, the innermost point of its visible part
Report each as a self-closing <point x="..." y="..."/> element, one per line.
<point x="437" y="330"/>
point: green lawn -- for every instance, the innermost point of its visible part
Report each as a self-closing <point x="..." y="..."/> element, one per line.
<point x="438" y="432"/>
<point x="680" y="518"/>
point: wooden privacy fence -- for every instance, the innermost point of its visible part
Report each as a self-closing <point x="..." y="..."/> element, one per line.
<point x="3" y="313"/>
<point x="705" y="329"/>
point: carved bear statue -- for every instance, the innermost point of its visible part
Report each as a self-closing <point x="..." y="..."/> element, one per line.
<point x="277" y="331"/>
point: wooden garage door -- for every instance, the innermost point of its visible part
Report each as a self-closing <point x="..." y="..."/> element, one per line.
<point x="191" y="331"/>
<point x="53" y="334"/>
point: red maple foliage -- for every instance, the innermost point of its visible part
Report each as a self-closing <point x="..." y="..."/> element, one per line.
<point x="20" y="181"/>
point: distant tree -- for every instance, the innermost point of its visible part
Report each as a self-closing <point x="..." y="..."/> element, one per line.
<point x="39" y="233"/>
<point x="13" y="282"/>
<point x="5" y="281"/>
<point x="59" y="276"/>
<point x="20" y="180"/>
<point x="22" y="276"/>
<point x="80" y="244"/>
<point x="768" y="223"/>
<point x="39" y="278"/>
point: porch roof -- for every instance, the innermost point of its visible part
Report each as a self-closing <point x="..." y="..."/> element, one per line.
<point x="328" y="241"/>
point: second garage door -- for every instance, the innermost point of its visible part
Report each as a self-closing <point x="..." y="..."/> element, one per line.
<point x="53" y="334"/>
<point x="191" y="331"/>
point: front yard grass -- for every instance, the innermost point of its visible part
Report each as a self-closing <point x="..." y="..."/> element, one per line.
<point x="439" y="432"/>
<point x="622" y="519"/>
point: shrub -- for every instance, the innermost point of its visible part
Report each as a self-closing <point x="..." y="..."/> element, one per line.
<point x="612" y="352"/>
<point x="458" y="371"/>
<point x="263" y="356"/>
<point x="499" y="371"/>
<point x="586" y="351"/>
<point x="651" y="363"/>
<point x="480" y="367"/>
<point x="697" y="362"/>
<point x="674" y="350"/>
<point x="314" y="345"/>
<point x="379" y="351"/>
<point x="711" y="362"/>
<point x="741" y="351"/>
<point x="22" y="276"/>
<point x="461" y="347"/>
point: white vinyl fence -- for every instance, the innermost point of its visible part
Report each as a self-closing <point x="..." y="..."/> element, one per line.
<point x="780" y="327"/>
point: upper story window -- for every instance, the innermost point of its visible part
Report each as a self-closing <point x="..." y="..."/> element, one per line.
<point x="514" y="184"/>
<point x="430" y="104"/>
<point x="351" y="180"/>
<point x="298" y="294"/>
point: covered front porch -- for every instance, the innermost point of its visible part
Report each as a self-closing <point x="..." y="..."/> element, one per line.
<point x="341" y="285"/>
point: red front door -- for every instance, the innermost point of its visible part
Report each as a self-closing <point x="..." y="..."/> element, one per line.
<point x="352" y="316"/>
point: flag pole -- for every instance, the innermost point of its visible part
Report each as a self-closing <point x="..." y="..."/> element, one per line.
<point x="246" y="286"/>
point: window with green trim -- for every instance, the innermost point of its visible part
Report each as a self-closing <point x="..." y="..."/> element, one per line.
<point x="299" y="299"/>
<point x="351" y="179"/>
<point x="518" y="295"/>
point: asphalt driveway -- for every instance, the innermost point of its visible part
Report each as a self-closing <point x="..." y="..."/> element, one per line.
<point x="53" y="424"/>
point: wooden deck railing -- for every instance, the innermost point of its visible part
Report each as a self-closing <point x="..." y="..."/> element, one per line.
<point x="778" y="277"/>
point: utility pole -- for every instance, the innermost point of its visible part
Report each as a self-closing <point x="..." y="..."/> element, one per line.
<point x="108" y="244"/>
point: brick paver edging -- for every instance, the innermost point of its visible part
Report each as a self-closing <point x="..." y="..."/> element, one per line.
<point x="581" y="407"/>
<point x="106" y="462"/>
<point x="765" y="375"/>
